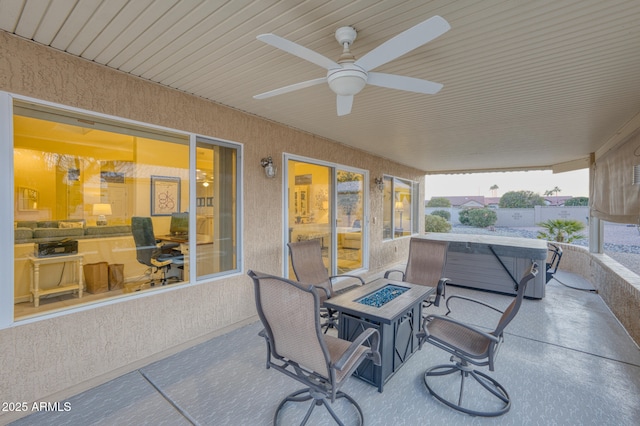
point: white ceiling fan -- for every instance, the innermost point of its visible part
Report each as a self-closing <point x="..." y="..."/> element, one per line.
<point x="348" y="76"/>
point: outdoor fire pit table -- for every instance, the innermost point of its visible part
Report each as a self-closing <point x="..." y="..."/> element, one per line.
<point x="394" y="308"/>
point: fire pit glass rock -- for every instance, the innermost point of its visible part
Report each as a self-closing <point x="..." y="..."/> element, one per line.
<point x="382" y="296"/>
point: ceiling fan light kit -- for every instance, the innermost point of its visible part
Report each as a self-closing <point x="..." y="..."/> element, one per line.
<point x="348" y="76"/>
<point x="348" y="80"/>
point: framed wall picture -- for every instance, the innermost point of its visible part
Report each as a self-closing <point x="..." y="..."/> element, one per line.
<point x="209" y="201"/>
<point x="303" y="179"/>
<point x="27" y="199"/>
<point x="165" y="195"/>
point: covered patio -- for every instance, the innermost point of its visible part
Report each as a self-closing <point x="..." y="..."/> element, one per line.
<point x="565" y="360"/>
<point x="542" y="85"/>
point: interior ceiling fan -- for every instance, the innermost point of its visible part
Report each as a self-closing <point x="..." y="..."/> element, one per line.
<point x="348" y="76"/>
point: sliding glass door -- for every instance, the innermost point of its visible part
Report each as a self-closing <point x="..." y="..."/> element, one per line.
<point x="350" y="210"/>
<point x="309" y="206"/>
<point x="326" y="203"/>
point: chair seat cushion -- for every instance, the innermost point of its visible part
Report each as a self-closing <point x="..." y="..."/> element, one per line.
<point x="458" y="336"/>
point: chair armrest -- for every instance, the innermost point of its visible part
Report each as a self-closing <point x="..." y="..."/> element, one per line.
<point x="345" y="275"/>
<point x="440" y="290"/>
<point x="168" y="246"/>
<point x="263" y="333"/>
<point x="468" y="299"/>
<point x="424" y="333"/>
<point x="373" y="354"/>
<point x="389" y="272"/>
<point x="327" y="292"/>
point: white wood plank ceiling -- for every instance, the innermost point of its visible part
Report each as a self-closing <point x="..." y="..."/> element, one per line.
<point x="527" y="84"/>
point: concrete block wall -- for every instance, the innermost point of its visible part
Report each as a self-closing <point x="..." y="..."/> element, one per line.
<point x="524" y="217"/>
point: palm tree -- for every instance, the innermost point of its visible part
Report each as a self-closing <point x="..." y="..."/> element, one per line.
<point x="556" y="190"/>
<point x="494" y="190"/>
<point x="561" y="230"/>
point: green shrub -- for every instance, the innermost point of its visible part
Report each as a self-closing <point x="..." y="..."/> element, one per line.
<point x="577" y="201"/>
<point x="433" y="223"/>
<point x="439" y="202"/>
<point x="463" y="217"/>
<point x="478" y="218"/>
<point x="561" y="230"/>
<point x="442" y="213"/>
<point x="520" y="200"/>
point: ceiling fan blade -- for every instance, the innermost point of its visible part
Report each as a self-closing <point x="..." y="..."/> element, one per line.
<point x="400" y="82"/>
<point x="297" y="50"/>
<point x="404" y="42"/>
<point x="344" y="104"/>
<point x="291" y="88"/>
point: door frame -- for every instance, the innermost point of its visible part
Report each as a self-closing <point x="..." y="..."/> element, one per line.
<point x="334" y="167"/>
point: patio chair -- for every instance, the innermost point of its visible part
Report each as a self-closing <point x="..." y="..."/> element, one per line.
<point x="552" y="265"/>
<point x="296" y="346"/>
<point x="159" y="258"/>
<point x="306" y="260"/>
<point x="470" y="344"/>
<point x="427" y="259"/>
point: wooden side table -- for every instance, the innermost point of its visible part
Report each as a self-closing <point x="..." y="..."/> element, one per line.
<point x="76" y="285"/>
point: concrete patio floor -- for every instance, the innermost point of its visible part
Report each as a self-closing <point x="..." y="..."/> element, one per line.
<point x="566" y="361"/>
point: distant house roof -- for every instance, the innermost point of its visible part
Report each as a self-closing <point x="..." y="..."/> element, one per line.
<point x="559" y="200"/>
<point x="465" y="201"/>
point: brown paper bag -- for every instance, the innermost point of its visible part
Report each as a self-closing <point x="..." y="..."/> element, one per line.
<point x="116" y="276"/>
<point x="96" y="277"/>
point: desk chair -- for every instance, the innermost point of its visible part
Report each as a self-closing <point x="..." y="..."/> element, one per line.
<point x="427" y="259"/>
<point x="290" y="313"/>
<point x="469" y="344"/>
<point x="148" y="252"/>
<point x="306" y="260"/>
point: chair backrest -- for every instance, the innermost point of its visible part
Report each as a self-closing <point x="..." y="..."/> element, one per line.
<point x="427" y="260"/>
<point x="145" y="240"/>
<point x="515" y="304"/>
<point x="306" y="259"/>
<point x="290" y="313"/>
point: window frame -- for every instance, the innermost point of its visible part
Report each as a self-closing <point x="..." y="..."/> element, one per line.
<point x="414" y="190"/>
<point x="7" y="287"/>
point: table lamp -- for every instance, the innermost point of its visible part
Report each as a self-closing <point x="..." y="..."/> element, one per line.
<point x="399" y="209"/>
<point x="101" y="210"/>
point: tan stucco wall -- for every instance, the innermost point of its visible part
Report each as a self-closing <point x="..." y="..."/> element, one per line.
<point x="61" y="355"/>
<point x="618" y="286"/>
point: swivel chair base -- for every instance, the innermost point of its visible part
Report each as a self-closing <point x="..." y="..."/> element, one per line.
<point x="330" y="319"/>
<point x="317" y="398"/>
<point x="488" y="383"/>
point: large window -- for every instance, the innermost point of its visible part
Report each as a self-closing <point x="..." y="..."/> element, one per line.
<point x="400" y="208"/>
<point x="102" y="208"/>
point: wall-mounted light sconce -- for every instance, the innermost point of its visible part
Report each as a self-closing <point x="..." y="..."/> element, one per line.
<point x="269" y="169"/>
<point x="379" y="183"/>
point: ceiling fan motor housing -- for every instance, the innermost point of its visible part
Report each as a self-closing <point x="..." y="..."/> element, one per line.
<point x="346" y="35"/>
